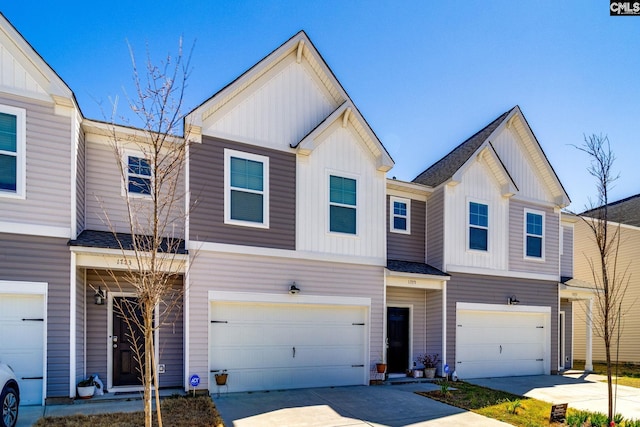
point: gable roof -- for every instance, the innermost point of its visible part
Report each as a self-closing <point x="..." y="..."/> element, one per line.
<point x="625" y="211"/>
<point x="446" y="168"/>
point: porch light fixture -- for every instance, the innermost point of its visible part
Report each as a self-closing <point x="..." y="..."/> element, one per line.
<point x="99" y="297"/>
<point x="293" y="289"/>
<point x="512" y="300"/>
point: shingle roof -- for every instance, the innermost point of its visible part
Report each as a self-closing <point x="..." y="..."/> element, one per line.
<point x="446" y="167"/>
<point x="625" y="211"/>
<point x="414" y="267"/>
<point x="107" y="240"/>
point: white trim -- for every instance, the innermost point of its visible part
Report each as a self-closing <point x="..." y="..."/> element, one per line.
<point x="34" y="230"/>
<point x="392" y="215"/>
<point x="124" y="190"/>
<point x="195" y="245"/>
<point x="286" y="298"/>
<point x="385" y="338"/>
<point x="341" y="174"/>
<point x="444" y="327"/>
<point x="72" y="326"/>
<point x="228" y="153"/>
<point x="406" y="280"/>
<point x="20" y="154"/>
<point x="468" y="248"/>
<point x="526" y="234"/>
<point x="452" y="268"/>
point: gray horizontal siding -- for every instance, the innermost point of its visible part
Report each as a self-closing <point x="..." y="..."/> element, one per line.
<point x="48" y="172"/>
<point x="408" y="247"/>
<point x="435" y="229"/>
<point x="567" y="307"/>
<point x="496" y="290"/>
<point x="207" y="195"/>
<point x="416" y="298"/>
<point x="44" y="259"/>
<point x="80" y="183"/>
<point x="81" y="304"/>
<point x="566" y="260"/>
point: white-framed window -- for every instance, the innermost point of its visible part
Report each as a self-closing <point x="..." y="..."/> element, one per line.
<point x="478" y="226"/>
<point x="12" y="152"/>
<point x="246" y="189"/>
<point x="138" y="174"/>
<point x="400" y="215"/>
<point x="343" y="204"/>
<point x="533" y="234"/>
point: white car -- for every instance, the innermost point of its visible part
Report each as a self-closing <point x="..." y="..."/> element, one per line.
<point x="10" y="396"/>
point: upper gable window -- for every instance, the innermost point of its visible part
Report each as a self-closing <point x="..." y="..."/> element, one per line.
<point x="138" y="175"/>
<point x="342" y="204"/>
<point x="246" y="181"/>
<point x="534" y="234"/>
<point x="400" y="215"/>
<point x="478" y="226"/>
<point x="12" y="151"/>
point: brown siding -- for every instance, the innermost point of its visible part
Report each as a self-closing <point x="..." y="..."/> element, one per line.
<point x="435" y="229"/>
<point x="496" y="290"/>
<point x="408" y="247"/>
<point x="434" y="322"/>
<point x="517" y="262"/>
<point x="566" y="260"/>
<point x="207" y="195"/>
<point x="44" y="259"/>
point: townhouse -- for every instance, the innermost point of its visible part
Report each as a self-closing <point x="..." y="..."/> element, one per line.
<point x="306" y="264"/>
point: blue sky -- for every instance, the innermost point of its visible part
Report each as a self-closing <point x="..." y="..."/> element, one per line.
<point x="426" y="75"/>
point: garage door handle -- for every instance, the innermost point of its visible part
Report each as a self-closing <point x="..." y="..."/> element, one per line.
<point x="294" y="352"/>
<point x="500" y="349"/>
<point x="33" y="320"/>
<point x="32" y="378"/>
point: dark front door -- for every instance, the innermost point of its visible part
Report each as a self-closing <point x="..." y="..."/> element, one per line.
<point x="126" y="369"/>
<point x="398" y="339"/>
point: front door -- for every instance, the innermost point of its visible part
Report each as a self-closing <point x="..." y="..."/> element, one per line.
<point x="126" y="369"/>
<point x="397" y="339"/>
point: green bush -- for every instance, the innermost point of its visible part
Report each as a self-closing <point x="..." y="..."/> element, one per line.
<point x="598" y="419"/>
<point x="577" y="418"/>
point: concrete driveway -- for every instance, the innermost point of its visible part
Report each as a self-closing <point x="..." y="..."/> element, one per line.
<point x="396" y="405"/>
<point x="580" y="391"/>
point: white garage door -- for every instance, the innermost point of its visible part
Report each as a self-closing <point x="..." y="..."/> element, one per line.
<point x="500" y="344"/>
<point x="280" y="346"/>
<point x="22" y="342"/>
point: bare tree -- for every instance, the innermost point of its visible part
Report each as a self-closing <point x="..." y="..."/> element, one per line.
<point x="152" y="241"/>
<point x="610" y="279"/>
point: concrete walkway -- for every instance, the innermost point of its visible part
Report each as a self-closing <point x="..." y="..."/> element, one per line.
<point x="355" y="406"/>
<point x="579" y="390"/>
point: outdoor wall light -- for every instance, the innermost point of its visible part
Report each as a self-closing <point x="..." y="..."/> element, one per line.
<point x="512" y="300"/>
<point x="293" y="289"/>
<point x="99" y="297"/>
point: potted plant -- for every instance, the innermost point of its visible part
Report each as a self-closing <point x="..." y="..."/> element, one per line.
<point x="381" y="367"/>
<point x="430" y="362"/>
<point x="86" y="388"/>
<point x="221" y="377"/>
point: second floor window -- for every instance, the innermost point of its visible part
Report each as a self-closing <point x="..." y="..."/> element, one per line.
<point x="246" y="189"/>
<point x="400" y="215"/>
<point x="138" y="175"/>
<point x="342" y="204"/>
<point x="478" y="226"/>
<point x="534" y="234"/>
<point x="12" y="161"/>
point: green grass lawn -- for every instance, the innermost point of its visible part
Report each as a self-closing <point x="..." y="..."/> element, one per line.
<point x="627" y="373"/>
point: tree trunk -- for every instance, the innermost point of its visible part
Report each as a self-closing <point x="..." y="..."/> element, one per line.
<point x="148" y="345"/>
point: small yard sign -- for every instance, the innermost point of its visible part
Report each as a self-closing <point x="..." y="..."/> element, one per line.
<point x="194" y="380"/>
<point x="558" y="412"/>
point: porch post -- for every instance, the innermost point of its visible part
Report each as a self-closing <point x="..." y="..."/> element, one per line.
<point x="588" y="363"/>
<point x="444" y="326"/>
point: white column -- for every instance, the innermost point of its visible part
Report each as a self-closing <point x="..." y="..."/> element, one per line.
<point x="444" y="327"/>
<point x="588" y="362"/>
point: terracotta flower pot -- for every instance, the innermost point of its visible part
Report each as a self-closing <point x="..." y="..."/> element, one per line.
<point x="221" y="379"/>
<point x="381" y="367"/>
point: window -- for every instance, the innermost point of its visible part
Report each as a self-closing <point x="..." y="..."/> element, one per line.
<point x="534" y="234"/>
<point x="400" y="215"/>
<point x="138" y="176"/>
<point x="478" y="226"/>
<point x="246" y="189"/>
<point x="342" y="204"/>
<point x="12" y="158"/>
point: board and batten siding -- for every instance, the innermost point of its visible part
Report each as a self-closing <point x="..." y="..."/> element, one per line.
<point x="416" y="300"/>
<point x="341" y="153"/>
<point x="517" y="260"/>
<point x="518" y="162"/>
<point x="99" y="343"/>
<point x="408" y="247"/>
<point x="44" y="259"/>
<point x="12" y="72"/>
<point x="435" y="229"/>
<point x="585" y="250"/>
<point x="278" y="110"/>
<point x="477" y="185"/>
<point x="495" y="290"/>
<point x="566" y="259"/>
<point x="48" y="167"/>
<point x="256" y="274"/>
<point x="206" y="222"/>
<point x="106" y="206"/>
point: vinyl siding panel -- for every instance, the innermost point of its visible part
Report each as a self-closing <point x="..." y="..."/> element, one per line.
<point x="48" y="168"/>
<point x="408" y="247"/>
<point x="496" y="290"/>
<point x="434" y="322"/>
<point x="207" y="195"/>
<point x="81" y="306"/>
<point x="517" y="261"/>
<point x="255" y="274"/>
<point x="171" y="331"/>
<point x="567" y="307"/>
<point x="12" y="73"/>
<point x="44" y="259"/>
<point x="80" y="182"/>
<point x="566" y="259"/>
<point x="435" y="229"/>
<point x="585" y="250"/>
